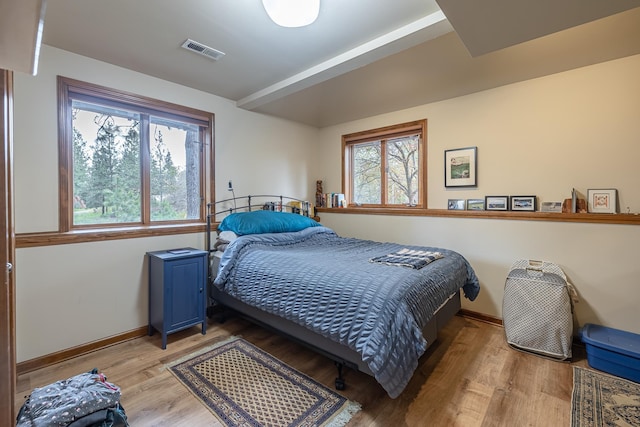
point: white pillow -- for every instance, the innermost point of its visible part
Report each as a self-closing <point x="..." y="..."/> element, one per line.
<point x="229" y="236"/>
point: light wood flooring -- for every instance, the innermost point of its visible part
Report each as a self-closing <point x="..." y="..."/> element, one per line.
<point x="470" y="377"/>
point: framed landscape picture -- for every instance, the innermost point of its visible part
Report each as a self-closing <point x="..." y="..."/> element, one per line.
<point x="524" y="203"/>
<point x="460" y="167"/>
<point x="551" y="207"/>
<point x="475" y="204"/>
<point x="496" y="203"/>
<point x="455" y="204"/>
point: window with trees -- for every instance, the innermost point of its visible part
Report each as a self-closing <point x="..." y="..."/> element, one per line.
<point x="127" y="160"/>
<point x="386" y="167"/>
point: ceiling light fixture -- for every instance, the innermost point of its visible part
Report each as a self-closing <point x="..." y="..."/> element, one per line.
<point x="292" y="13"/>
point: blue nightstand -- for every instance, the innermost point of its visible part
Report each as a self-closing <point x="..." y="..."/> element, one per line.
<point x="177" y="290"/>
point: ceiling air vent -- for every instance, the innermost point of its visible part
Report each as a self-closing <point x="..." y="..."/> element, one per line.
<point x="202" y="49"/>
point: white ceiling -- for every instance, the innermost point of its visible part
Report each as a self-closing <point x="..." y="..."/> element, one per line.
<point x="360" y="58"/>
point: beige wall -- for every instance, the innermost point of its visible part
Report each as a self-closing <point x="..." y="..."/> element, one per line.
<point x="69" y="295"/>
<point x="540" y="137"/>
<point x="545" y="136"/>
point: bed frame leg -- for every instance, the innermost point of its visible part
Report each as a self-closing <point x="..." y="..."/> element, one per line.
<point x="340" y="380"/>
<point x="215" y="312"/>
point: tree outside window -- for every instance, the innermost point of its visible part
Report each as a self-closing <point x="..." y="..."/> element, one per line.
<point x="385" y="167"/>
<point x="129" y="163"/>
<point x="106" y="166"/>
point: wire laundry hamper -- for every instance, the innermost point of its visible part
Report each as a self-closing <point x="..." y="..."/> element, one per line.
<point x="537" y="309"/>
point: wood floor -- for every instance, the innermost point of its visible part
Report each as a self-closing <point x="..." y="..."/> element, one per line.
<point x="470" y="377"/>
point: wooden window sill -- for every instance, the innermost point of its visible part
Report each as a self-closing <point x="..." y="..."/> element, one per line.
<point x="29" y="240"/>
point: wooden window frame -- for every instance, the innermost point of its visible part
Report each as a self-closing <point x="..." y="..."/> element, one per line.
<point x="69" y="89"/>
<point x="384" y="134"/>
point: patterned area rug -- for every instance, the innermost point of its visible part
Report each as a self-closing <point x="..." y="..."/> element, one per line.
<point x="603" y="400"/>
<point x="244" y="386"/>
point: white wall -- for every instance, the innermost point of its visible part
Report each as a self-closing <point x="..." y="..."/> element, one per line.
<point x="69" y="295"/>
<point x="540" y="137"/>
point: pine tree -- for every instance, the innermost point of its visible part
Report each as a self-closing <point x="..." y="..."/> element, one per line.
<point x="192" y="147"/>
<point x="127" y="197"/>
<point x="103" y="166"/>
<point x="163" y="181"/>
<point x="80" y="170"/>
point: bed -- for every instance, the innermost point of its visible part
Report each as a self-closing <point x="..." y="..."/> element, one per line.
<point x="370" y="306"/>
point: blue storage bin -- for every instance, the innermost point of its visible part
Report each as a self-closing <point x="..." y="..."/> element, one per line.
<point x="611" y="350"/>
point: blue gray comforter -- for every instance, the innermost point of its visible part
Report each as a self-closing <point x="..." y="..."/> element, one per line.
<point x="327" y="284"/>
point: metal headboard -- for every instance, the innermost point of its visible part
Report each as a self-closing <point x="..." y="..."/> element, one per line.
<point x="254" y="202"/>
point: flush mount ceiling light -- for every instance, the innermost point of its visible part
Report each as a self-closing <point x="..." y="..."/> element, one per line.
<point x="292" y="13"/>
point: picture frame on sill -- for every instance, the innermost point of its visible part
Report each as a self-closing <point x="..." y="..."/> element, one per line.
<point x="523" y="203"/>
<point x="496" y="203"/>
<point x="455" y="204"/>
<point x="475" y="204"/>
<point x="602" y="200"/>
<point x="461" y="167"/>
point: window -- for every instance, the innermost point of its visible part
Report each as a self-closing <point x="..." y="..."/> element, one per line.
<point x="127" y="160"/>
<point x="385" y="167"/>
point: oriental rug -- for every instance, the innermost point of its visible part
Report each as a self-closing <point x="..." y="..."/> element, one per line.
<point x="603" y="400"/>
<point x="245" y="386"/>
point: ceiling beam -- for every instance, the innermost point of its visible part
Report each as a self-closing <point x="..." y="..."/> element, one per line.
<point x="424" y="29"/>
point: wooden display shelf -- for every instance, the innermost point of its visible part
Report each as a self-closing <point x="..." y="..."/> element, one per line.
<point x="628" y="219"/>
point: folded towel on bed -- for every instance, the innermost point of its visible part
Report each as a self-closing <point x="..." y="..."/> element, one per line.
<point x="411" y="258"/>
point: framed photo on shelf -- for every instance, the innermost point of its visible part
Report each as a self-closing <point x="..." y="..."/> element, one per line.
<point x="551" y="207"/>
<point x="460" y="167"/>
<point x="523" y="203"/>
<point x="455" y="204"/>
<point x="602" y="200"/>
<point x="475" y="204"/>
<point x="496" y="203"/>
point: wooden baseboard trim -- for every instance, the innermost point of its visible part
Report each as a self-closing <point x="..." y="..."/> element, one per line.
<point x="60" y="356"/>
<point x="480" y="316"/>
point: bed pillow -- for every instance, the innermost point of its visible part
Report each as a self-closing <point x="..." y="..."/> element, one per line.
<point x="223" y="240"/>
<point x="257" y="222"/>
<point x="229" y="236"/>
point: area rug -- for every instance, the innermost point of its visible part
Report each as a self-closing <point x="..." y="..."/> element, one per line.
<point x="603" y="400"/>
<point x="245" y="386"/>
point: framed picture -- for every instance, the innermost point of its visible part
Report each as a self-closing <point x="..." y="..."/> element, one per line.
<point x="496" y="203"/>
<point x="551" y="207"/>
<point x="475" y="204"/>
<point x="523" y="203"/>
<point x="602" y="201"/>
<point x="460" y="167"/>
<point x="456" y="204"/>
